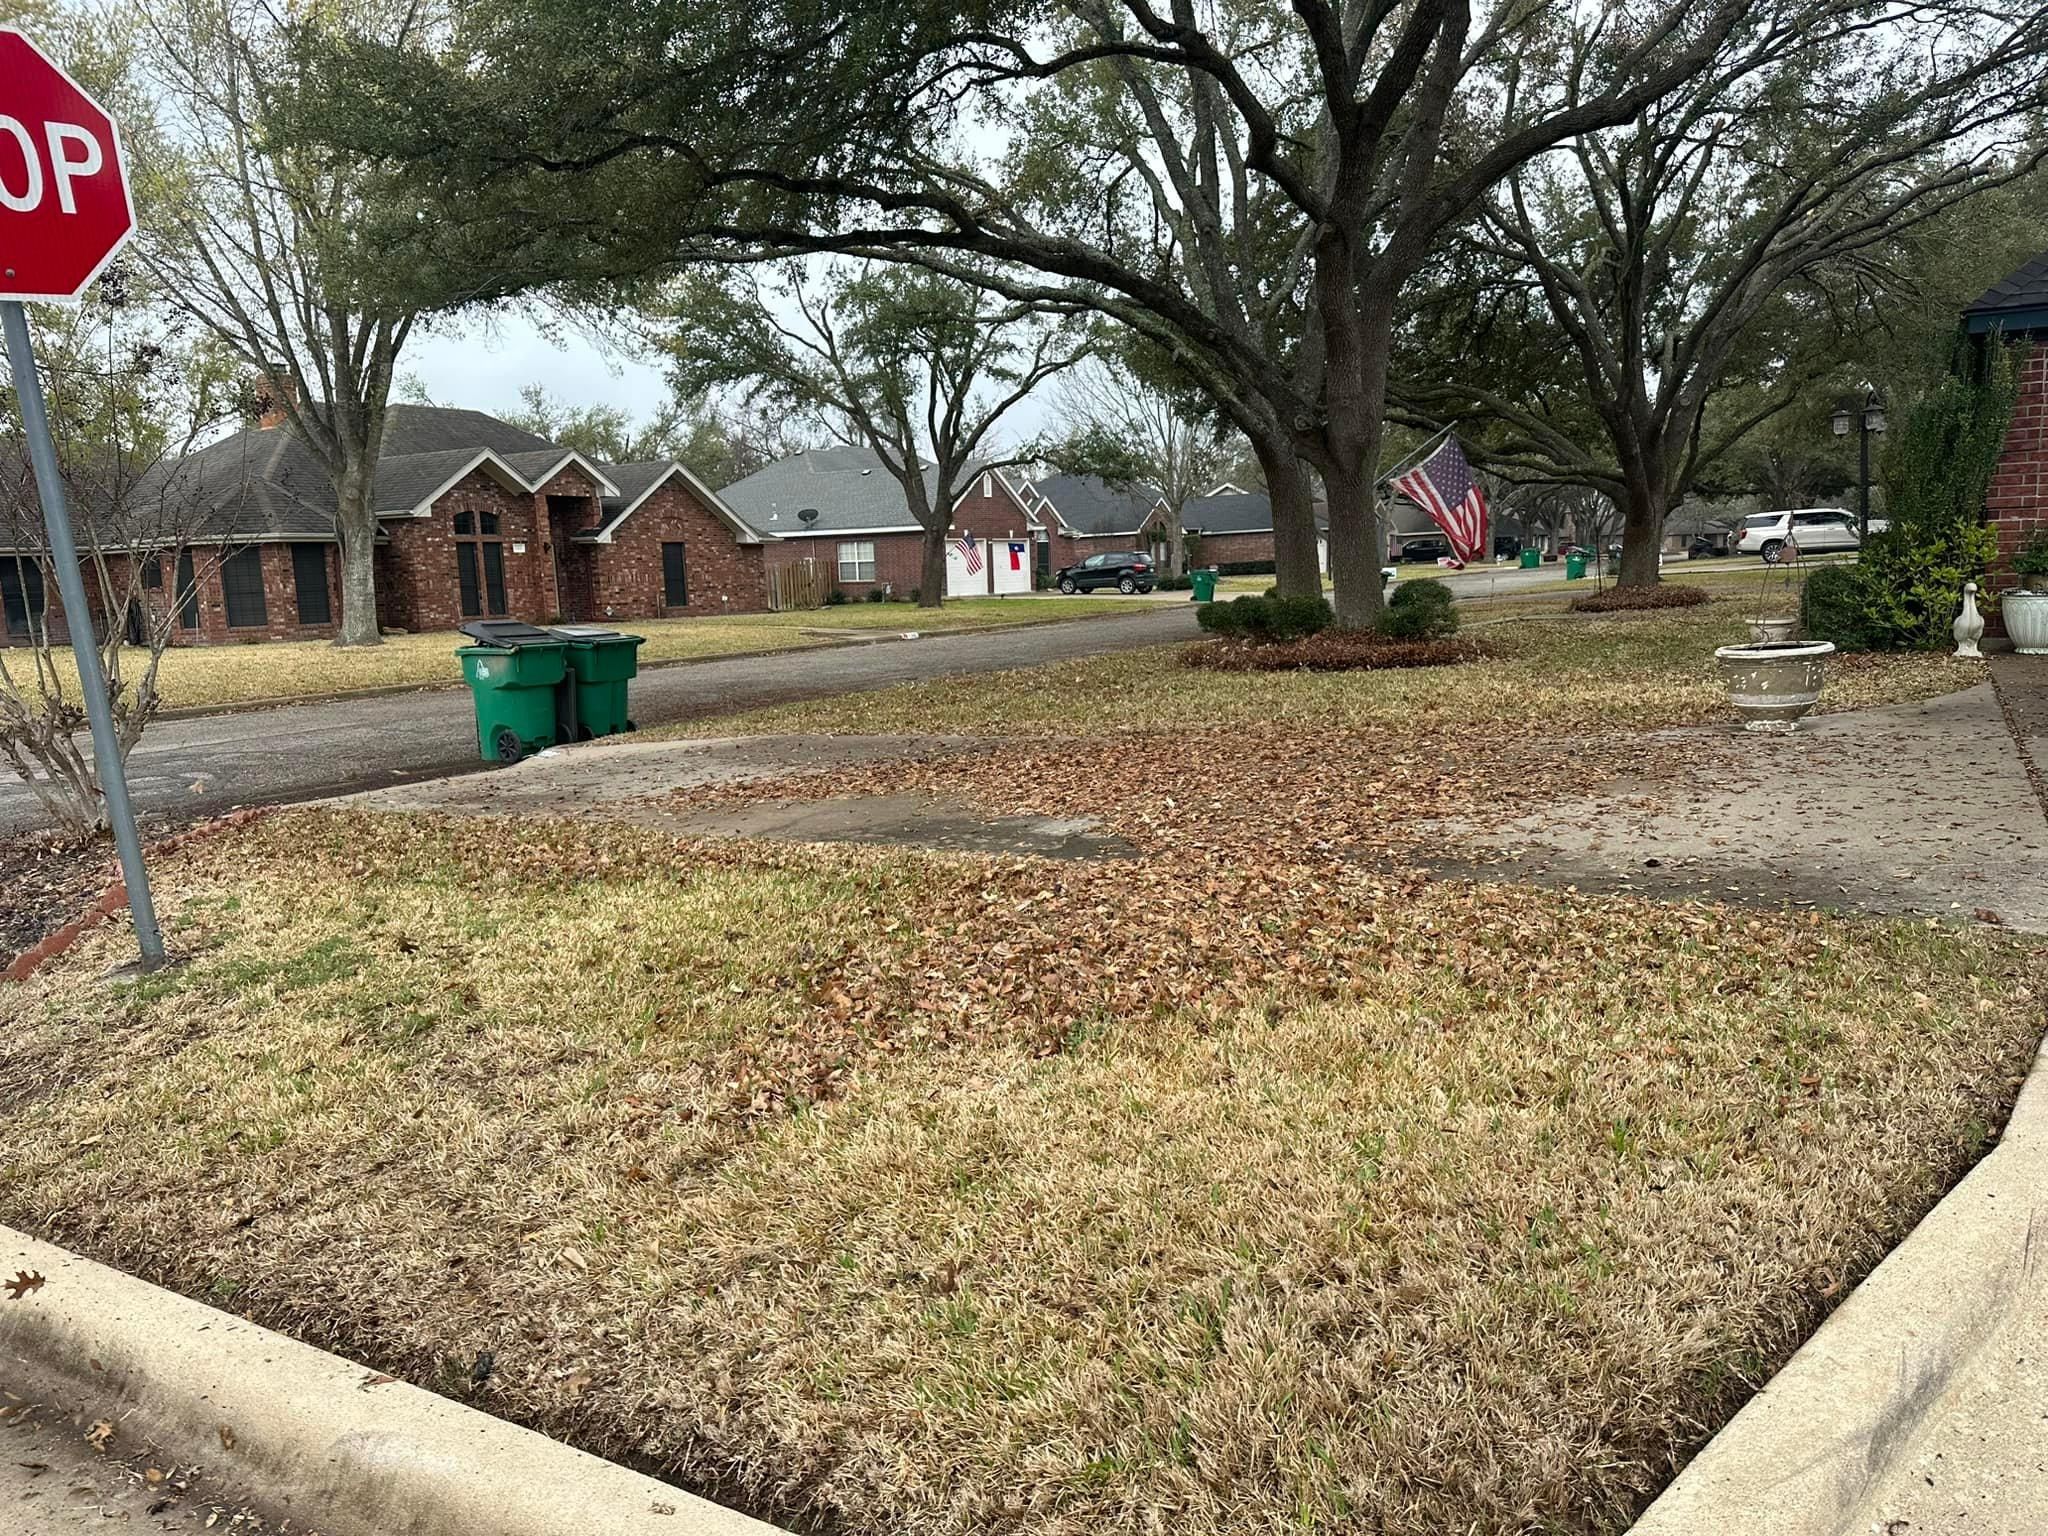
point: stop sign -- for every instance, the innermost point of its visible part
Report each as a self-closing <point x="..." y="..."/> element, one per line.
<point x="64" y="207"/>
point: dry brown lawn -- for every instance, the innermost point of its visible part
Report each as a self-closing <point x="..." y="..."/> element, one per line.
<point x="1212" y="1192"/>
<point x="1552" y="675"/>
<point x="1258" y="1183"/>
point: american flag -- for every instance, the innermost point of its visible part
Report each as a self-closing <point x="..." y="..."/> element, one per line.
<point x="1444" y="487"/>
<point x="971" y="553"/>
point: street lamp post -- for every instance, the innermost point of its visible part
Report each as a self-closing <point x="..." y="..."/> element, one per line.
<point x="1871" y="420"/>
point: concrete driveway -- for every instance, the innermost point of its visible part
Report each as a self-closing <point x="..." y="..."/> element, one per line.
<point x="187" y="768"/>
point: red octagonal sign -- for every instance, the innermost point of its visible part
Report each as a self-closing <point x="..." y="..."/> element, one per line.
<point x="64" y="206"/>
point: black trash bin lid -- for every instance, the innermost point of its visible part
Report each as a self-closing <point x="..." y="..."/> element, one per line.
<point x="507" y="633"/>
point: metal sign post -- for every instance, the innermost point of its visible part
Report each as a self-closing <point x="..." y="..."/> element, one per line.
<point x="64" y="211"/>
<point x="92" y="680"/>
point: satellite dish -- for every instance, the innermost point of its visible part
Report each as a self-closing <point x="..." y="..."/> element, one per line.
<point x="807" y="516"/>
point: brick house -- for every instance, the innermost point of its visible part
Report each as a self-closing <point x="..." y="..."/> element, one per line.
<point x="1236" y="526"/>
<point x="841" y="513"/>
<point x="1076" y="516"/>
<point x="478" y="518"/>
<point x="2016" y="308"/>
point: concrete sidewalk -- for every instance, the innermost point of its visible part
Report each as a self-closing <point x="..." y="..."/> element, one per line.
<point x="1917" y="810"/>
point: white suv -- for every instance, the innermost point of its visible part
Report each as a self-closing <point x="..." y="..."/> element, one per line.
<point x="1810" y="530"/>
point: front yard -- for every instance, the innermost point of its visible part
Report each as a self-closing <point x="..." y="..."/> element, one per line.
<point x="222" y="676"/>
<point x="1259" y="1182"/>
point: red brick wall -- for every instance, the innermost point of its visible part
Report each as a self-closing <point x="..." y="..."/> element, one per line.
<point x="721" y="574"/>
<point x="899" y="560"/>
<point x="989" y="511"/>
<point x="417" y="588"/>
<point x="1227" y="548"/>
<point x="2017" y="503"/>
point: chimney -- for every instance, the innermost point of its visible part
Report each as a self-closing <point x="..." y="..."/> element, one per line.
<point x="275" y="392"/>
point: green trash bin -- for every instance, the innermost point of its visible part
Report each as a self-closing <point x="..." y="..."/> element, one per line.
<point x="1531" y="558"/>
<point x="601" y="663"/>
<point x="513" y="687"/>
<point x="1204" y="583"/>
<point x="1574" y="567"/>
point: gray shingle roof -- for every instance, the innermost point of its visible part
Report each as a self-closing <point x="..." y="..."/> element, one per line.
<point x="2020" y="296"/>
<point x="260" y="483"/>
<point x="1228" y="512"/>
<point x="1088" y="504"/>
<point x="850" y="489"/>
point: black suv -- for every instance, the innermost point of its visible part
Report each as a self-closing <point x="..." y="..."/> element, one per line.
<point x="1126" y="570"/>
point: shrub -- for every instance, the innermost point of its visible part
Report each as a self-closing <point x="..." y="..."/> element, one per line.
<point x="877" y="595"/>
<point x="1630" y="599"/>
<point x="1426" y="592"/>
<point x="1832" y="606"/>
<point x="834" y="598"/>
<point x="1174" y="584"/>
<point x="1267" y="619"/>
<point x="1903" y="593"/>
<point x="1420" y="618"/>
<point x="1334" y="651"/>
<point x="2031" y="562"/>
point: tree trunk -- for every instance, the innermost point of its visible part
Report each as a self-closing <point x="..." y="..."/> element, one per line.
<point x="1354" y="547"/>
<point x="931" y="590"/>
<point x="1295" y="568"/>
<point x="355" y="526"/>
<point x="1642" y="534"/>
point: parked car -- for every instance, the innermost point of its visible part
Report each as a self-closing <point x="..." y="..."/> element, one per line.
<point x="1706" y="547"/>
<point x="1125" y="569"/>
<point x="1426" y="546"/>
<point x="1811" y="530"/>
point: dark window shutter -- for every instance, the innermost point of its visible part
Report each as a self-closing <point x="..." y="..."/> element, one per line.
<point x="675" y="586"/>
<point x="466" y="576"/>
<point x="21" y="594"/>
<point x="241" y="589"/>
<point x="309" y="583"/>
<point x="494" y="576"/>
<point x="188" y="593"/>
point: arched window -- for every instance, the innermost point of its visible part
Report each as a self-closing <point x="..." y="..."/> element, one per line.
<point x="480" y="564"/>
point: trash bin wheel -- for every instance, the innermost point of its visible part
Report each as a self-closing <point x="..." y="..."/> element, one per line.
<point x="506" y="745"/>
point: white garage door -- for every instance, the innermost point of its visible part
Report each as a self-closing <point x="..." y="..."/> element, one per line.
<point x="1010" y="565"/>
<point x="966" y="567"/>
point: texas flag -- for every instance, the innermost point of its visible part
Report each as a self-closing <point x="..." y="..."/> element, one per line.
<point x="1017" y="557"/>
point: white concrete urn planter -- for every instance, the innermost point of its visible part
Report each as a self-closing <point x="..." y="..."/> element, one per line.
<point x="2026" y="620"/>
<point x="1762" y="630"/>
<point x="1774" y="682"/>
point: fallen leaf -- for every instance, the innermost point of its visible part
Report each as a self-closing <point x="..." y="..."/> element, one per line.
<point x="374" y="1380"/>
<point x="227" y="1438"/>
<point x="24" y="1281"/>
<point x="100" y="1434"/>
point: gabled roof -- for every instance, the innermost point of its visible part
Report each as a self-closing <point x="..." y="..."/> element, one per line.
<point x="849" y="488"/>
<point x="1228" y="510"/>
<point x="540" y="465"/>
<point x="263" y="483"/>
<point x="2017" y="302"/>
<point x="632" y="484"/>
<point x="1090" y="507"/>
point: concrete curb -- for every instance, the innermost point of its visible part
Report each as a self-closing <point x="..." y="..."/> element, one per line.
<point x="1807" y="1453"/>
<point x="358" y="1455"/>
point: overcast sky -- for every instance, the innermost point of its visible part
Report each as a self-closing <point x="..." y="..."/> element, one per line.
<point x="483" y="366"/>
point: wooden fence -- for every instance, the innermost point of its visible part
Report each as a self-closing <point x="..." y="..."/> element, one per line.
<point x="802" y="585"/>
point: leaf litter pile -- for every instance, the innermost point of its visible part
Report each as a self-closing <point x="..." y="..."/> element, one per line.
<point x="1258" y="1181"/>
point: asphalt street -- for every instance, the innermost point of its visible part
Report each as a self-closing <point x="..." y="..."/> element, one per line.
<point x="186" y="768"/>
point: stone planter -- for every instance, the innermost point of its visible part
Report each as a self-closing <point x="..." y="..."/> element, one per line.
<point x="1773" y="682"/>
<point x="2026" y="621"/>
<point x="1770" y="631"/>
